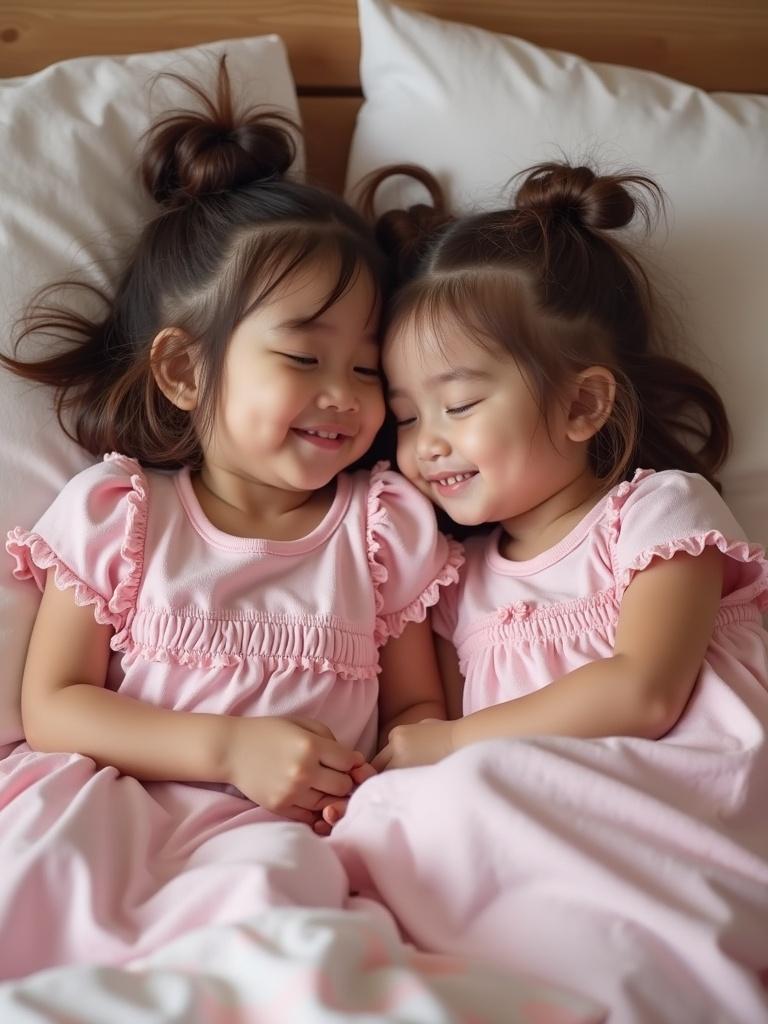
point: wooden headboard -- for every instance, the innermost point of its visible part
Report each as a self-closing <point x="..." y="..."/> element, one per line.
<point x="715" y="44"/>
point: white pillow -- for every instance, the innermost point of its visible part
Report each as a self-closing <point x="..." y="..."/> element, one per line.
<point x="69" y="198"/>
<point x="475" y="107"/>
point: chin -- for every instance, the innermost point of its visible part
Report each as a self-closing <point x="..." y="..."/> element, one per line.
<point x="466" y="518"/>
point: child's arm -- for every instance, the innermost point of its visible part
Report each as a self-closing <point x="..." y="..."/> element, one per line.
<point x="409" y="685"/>
<point x="289" y="766"/>
<point x="665" y="625"/>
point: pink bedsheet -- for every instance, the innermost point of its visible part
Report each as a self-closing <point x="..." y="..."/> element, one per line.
<point x="634" y="872"/>
<point x="569" y="880"/>
<point x="169" y="902"/>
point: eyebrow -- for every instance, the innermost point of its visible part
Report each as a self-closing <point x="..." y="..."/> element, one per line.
<point x="459" y="373"/>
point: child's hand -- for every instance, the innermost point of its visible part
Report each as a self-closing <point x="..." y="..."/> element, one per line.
<point x="334" y="812"/>
<point x="292" y="766"/>
<point x="420" y="743"/>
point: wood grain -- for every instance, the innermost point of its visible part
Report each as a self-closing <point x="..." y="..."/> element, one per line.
<point x="716" y="44"/>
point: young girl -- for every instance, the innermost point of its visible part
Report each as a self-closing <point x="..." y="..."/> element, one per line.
<point x="216" y="590"/>
<point x="609" y="623"/>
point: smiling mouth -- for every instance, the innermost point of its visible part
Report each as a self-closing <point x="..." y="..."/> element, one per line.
<point x="329" y="439"/>
<point x="452" y="483"/>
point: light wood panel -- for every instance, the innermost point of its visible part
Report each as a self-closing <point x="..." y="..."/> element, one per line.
<point x="717" y="44"/>
<point x="328" y="125"/>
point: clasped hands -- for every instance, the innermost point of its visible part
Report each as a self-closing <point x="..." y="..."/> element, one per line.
<point x="295" y="766"/>
<point x="407" y="746"/>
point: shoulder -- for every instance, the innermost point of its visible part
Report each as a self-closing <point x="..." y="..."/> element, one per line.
<point x="391" y="503"/>
<point x="409" y="560"/>
<point x="671" y="486"/>
<point x="93" y="535"/>
<point x="672" y="502"/>
<point x="95" y="493"/>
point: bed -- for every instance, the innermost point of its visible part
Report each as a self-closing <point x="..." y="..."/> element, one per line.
<point x="584" y="77"/>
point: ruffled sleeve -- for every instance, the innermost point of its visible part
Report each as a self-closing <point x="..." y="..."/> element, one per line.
<point x="657" y="515"/>
<point x="409" y="559"/>
<point x="92" y="536"/>
<point x="446" y="613"/>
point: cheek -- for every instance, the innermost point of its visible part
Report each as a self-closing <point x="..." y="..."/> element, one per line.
<point x="406" y="456"/>
<point x="376" y="408"/>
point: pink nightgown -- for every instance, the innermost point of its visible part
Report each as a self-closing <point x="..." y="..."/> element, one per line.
<point x="633" y="871"/>
<point x="97" y="866"/>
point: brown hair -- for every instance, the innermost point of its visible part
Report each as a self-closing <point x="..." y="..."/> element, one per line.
<point x="548" y="283"/>
<point x="231" y="227"/>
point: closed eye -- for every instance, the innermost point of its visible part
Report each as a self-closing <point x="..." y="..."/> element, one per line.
<point x="301" y="360"/>
<point x="458" y="409"/>
<point x="368" y="371"/>
<point x="406" y="422"/>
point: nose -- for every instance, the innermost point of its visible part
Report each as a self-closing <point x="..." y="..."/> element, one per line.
<point x="430" y="444"/>
<point x="339" y="394"/>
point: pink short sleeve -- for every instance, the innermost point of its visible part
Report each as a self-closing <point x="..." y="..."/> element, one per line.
<point x="446" y="613"/>
<point x="93" y="537"/>
<point x="410" y="560"/>
<point x="658" y="515"/>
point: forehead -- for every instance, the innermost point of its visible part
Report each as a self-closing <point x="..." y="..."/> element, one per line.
<point x="416" y="349"/>
<point x="316" y="293"/>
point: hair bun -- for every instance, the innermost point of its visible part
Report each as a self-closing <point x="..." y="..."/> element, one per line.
<point x="402" y="232"/>
<point x="578" y="195"/>
<point x="191" y="154"/>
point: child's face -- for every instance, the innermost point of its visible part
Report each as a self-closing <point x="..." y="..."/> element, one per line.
<point x="300" y="400"/>
<point x="471" y="435"/>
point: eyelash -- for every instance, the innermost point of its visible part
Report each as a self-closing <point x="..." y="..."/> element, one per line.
<point x="302" y="360"/>
<point x="455" y="409"/>
<point x="366" y="371"/>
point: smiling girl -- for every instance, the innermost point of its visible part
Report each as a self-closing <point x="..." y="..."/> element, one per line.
<point x="216" y="590"/>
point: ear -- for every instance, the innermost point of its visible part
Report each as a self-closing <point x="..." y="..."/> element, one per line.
<point x="175" y="369"/>
<point x="590" y="402"/>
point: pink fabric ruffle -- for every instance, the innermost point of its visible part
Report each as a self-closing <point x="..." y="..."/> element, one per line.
<point x="616" y="501"/>
<point x="739" y="550"/>
<point x="375" y="518"/>
<point x="391" y="625"/>
<point x="124" y="599"/>
<point x="34" y="557"/>
<point x="394" y="624"/>
<point x="753" y="590"/>
<point x="208" y="642"/>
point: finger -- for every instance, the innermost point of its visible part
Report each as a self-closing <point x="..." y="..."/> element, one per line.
<point x="335" y="755"/>
<point x="335" y="784"/>
<point x="334" y="812"/>
<point x="321" y="827"/>
<point x="314" y="800"/>
<point x="382" y="759"/>
<point x="361" y="774"/>
<point x="296" y="813"/>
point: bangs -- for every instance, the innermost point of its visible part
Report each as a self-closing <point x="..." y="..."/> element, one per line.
<point x="493" y="310"/>
<point x="498" y="311"/>
<point x="272" y="257"/>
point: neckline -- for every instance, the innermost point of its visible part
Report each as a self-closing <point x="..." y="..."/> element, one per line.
<point x="261" y="545"/>
<point x="550" y="556"/>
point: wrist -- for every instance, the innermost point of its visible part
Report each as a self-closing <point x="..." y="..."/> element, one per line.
<point x="454" y="735"/>
<point x="461" y="732"/>
<point x="224" y="741"/>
